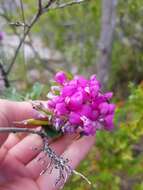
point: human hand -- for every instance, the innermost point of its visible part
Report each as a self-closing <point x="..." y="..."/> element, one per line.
<point x="19" y="165"/>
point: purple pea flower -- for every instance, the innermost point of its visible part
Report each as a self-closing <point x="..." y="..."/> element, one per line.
<point x="81" y="81"/>
<point x="74" y="118"/>
<point x="80" y="106"/>
<point x="111" y="108"/>
<point x="61" y="109"/>
<point x="104" y="108"/>
<point x="89" y="127"/>
<point x="94" y="91"/>
<point x="93" y="81"/>
<point x="60" y="77"/>
<point x="108" y="95"/>
<point x="108" y="121"/>
<point x="68" y="90"/>
<point x="86" y="110"/>
<point x="75" y="101"/>
<point x="58" y="123"/>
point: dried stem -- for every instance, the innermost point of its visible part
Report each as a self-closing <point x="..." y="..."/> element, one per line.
<point x="63" y="5"/>
<point x="34" y="20"/>
<point x="4" y="76"/>
<point x="13" y="26"/>
<point x="47" y="6"/>
<point x="22" y="130"/>
<point x="22" y="11"/>
<point x="82" y="176"/>
<point x="40" y="5"/>
<point x="41" y="10"/>
<point x="24" y="28"/>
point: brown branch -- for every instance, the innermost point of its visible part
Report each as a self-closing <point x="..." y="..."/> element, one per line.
<point x="22" y="11"/>
<point x="41" y="133"/>
<point x="4" y="76"/>
<point x="29" y="43"/>
<point x="25" y="25"/>
<point x="68" y="4"/>
<point x="33" y="21"/>
<point x="40" y="5"/>
<point x="41" y="11"/>
<point x="47" y="6"/>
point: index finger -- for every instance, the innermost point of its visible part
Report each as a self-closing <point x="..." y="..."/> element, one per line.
<point x="11" y="111"/>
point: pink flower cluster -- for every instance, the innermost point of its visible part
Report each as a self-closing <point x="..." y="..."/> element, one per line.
<point x="77" y="105"/>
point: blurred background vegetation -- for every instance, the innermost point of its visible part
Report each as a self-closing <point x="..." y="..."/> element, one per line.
<point x="103" y="37"/>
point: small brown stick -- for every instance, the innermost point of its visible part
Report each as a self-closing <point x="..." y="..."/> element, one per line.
<point x="41" y="133"/>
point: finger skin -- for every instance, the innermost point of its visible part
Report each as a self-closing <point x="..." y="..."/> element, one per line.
<point x="16" y="111"/>
<point x="13" y="111"/>
<point x="23" y="151"/>
<point x="11" y="141"/>
<point x="78" y="150"/>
